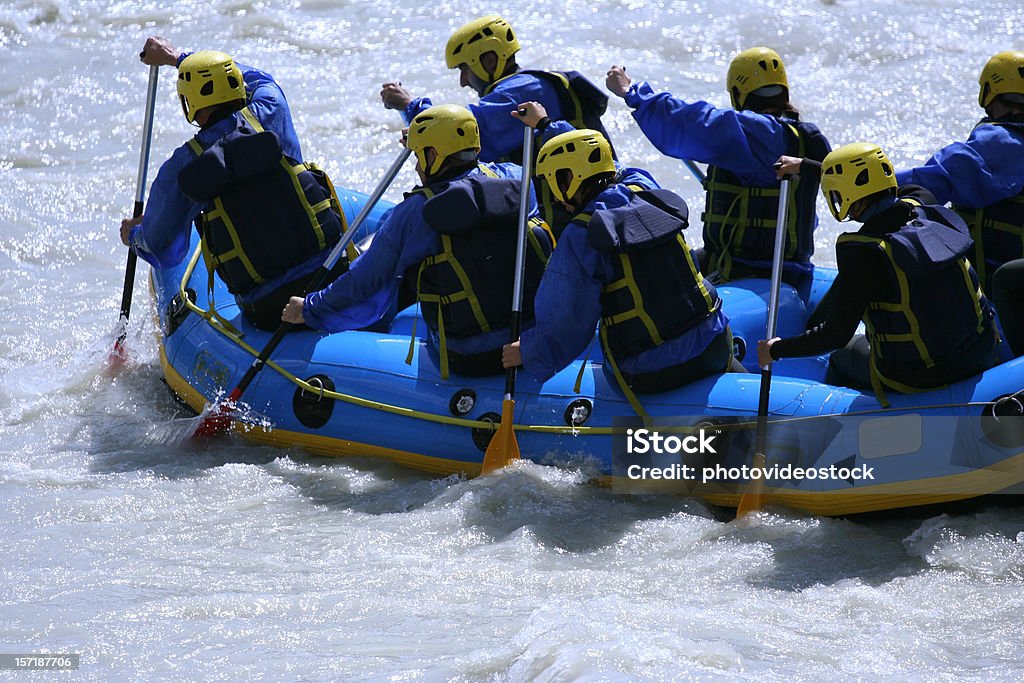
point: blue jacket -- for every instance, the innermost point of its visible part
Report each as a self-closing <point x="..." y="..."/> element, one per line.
<point x="740" y="148"/>
<point x="985" y="169"/>
<point x="568" y="304"/>
<point x="501" y="134"/>
<point x="364" y="294"/>
<point x="162" y="238"/>
<point x="743" y="142"/>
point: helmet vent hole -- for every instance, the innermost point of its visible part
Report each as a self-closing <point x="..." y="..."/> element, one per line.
<point x="887" y="170"/>
<point x="461" y="132"/>
<point x="763" y="64"/>
<point x="207" y="89"/>
<point x="595" y="156"/>
<point x="835" y="198"/>
<point x="862" y="178"/>
<point x="510" y="37"/>
<point x="570" y="147"/>
<point x="232" y="82"/>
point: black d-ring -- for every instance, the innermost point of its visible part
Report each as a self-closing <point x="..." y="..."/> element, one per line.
<point x="309" y="407"/>
<point x="1002" y="421"/>
<point x="739" y="348"/>
<point x="317" y="383"/>
<point x="482" y="435"/>
<point x="177" y="311"/>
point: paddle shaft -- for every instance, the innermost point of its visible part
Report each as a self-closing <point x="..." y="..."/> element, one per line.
<point x="697" y="173"/>
<point x="322" y="273"/>
<point x="503" y="449"/>
<point x="140" y="192"/>
<point x="517" y="287"/>
<point x="773" y="315"/>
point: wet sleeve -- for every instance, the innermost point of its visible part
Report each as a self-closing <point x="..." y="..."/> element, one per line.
<point x="416" y="105"/>
<point x="982" y="171"/>
<point x="848" y="298"/>
<point x="162" y="238"/>
<point x="551" y="130"/>
<point x="744" y="143"/>
<point x="268" y="103"/>
<point x="501" y="134"/>
<point x="567" y="308"/>
<point x="363" y="295"/>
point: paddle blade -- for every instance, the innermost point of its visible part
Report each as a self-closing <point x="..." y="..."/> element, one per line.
<point x="503" y="449"/>
<point x="214" y="424"/>
<point x="115" y="361"/>
<point x="754" y="498"/>
<point x="218" y="419"/>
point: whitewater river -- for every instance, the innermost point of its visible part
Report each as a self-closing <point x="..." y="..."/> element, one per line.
<point x="233" y="562"/>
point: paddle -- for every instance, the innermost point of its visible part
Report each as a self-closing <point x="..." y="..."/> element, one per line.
<point x="117" y="355"/>
<point x="219" y="418"/>
<point x="753" y="499"/>
<point x="504" y="449"/>
<point x="697" y="173"/>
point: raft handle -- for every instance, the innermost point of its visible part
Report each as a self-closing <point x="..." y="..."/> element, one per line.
<point x="318" y="384"/>
<point x="309" y="406"/>
<point x="1017" y="409"/>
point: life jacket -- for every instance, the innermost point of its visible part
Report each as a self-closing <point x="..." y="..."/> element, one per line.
<point x="582" y="104"/>
<point x="937" y="308"/>
<point x="658" y="292"/>
<point x="466" y="289"/>
<point x="263" y="212"/>
<point x="997" y="229"/>
<point x="739" y="220"/>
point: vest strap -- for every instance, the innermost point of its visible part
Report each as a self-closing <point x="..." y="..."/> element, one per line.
<point x="627" y="391"/>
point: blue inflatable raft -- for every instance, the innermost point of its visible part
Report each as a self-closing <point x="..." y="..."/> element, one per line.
<point x="832" y="450"/>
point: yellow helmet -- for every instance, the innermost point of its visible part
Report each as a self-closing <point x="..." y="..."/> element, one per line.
<point x="207" y="78"/>
<point x="758" y="67"/>
<point x="586" y="153"/>
<point x="447" y="129"/>
<point x="1002" y="75"/>
<point x="487" y="34"/>
<point x="853" y="172"/>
